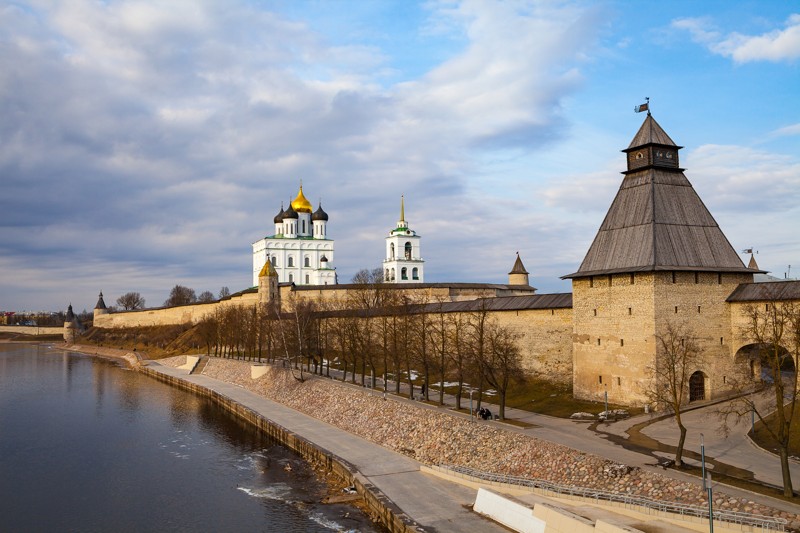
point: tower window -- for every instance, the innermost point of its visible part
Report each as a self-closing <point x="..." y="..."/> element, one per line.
<point x="393" y="274"/>
<point x="404" y="273"/>
<point x="290" y="262"/>
<point x="408" y="250"/>
<point x="386" y="276"/>
<point x="391" y="251"/>
<point x="415" y="273"/>
<point x="307" y="282"/>
<point x="304" y="226"/>
<point x="307" y="261"/>
<point x="291" y="278"/>
<point x="274" y="260"/>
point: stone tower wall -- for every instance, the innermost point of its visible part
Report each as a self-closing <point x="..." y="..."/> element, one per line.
<point x="613" y="336"/>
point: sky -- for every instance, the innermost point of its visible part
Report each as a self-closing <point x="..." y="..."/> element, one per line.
<point x="148" y="144"/>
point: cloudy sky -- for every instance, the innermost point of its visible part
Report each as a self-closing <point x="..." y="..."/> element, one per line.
<point x="144" y="144"/>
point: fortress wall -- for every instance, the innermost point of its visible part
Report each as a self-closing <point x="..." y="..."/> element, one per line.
<point x="702" y="309"/>
<point x="167" y="316"/>
<point x="739" y="322"/>
<point x="545" y="342"/>
<point x="616" y="327"/>
<point x="614" y="336"/>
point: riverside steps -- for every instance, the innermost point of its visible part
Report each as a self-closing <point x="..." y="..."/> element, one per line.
<point x="426" y="502"/>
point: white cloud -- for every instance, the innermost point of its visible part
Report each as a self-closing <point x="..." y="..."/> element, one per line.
<point x="743" y="179"/>
<point x="143" y="135"/>
<point x="776" y="45"/>
<point x="787" y="131"/>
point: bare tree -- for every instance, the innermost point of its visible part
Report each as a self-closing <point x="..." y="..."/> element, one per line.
<point x="180" y="295"/>
<point x="677" y="357"/>
<point x="459" y="353"/>
<point x="502" y="362"/>
<point x="130" y="301"/>
<point x="440" y="344"/>
<point x="206" y="297"/>
<point x="774" y="330"/>
<point x="224" y="292"/>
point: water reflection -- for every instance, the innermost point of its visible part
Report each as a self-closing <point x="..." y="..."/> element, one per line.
<point x="89" y="446"/>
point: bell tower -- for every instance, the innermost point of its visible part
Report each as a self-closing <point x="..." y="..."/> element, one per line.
<point x="403" y="263"/>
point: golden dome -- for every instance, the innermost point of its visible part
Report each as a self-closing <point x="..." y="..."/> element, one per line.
<point x="301" y="204"/>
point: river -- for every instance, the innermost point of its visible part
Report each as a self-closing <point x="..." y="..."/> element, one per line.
<point x="86" y="445"/>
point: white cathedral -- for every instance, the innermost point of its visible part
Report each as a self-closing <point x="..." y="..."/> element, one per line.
<point x="300" y="249"/>
<point x="403" y="263"/>
<point x="302" y="253"/>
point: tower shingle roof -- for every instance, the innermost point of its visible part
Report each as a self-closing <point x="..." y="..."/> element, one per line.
<point x="658" y="222"/>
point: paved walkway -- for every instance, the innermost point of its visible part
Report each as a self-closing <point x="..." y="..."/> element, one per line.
<point x="433" y="503"/>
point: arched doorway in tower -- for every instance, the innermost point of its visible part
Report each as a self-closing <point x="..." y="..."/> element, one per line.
<point x="697" y="386"/>
<point x="757" y="361"/>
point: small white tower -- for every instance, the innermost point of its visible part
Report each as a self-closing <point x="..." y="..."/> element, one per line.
<point x="403" y="263"/>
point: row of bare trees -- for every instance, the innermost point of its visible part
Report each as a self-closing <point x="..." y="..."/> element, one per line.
<point x="375" y="333"/>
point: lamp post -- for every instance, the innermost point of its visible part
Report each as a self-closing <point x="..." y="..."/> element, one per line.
<point x="703" y="460"/>
<point x="470" y="405"/>
<point x="710" y="504"/>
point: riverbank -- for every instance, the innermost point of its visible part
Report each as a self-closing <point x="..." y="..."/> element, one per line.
<point x="433" y="436"/>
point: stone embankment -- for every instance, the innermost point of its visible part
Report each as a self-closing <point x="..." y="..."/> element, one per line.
<point x="434" y="437"/>
<point x="130" y="358"/>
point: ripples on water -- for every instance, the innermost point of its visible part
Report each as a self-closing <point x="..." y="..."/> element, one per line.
<point x="88" y="446"/>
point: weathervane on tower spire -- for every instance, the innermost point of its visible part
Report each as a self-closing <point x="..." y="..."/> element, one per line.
<point x="644" y="107"/>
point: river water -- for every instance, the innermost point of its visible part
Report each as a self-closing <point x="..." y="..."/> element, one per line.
<point x="86" y="445"/>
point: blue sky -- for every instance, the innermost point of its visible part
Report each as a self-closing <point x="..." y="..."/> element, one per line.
<point x="145" y="144"/>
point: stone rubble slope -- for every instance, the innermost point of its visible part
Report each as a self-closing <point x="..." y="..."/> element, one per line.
<point x="433" y="437"/>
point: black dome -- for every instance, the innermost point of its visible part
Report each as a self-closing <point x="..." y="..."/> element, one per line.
<point x="290" y="213"/>
<point x="319" y="214"/>
<point x="279" y="217"/>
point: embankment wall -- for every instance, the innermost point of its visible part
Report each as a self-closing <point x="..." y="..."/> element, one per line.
<point x="391" y="516"/>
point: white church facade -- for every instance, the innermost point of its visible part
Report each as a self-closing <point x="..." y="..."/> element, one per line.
<point x="299" y="250"/>
<point x="403" y="263"/>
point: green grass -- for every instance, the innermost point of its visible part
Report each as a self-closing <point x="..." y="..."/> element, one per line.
<point x="763" y="438"/>
<point x="547" y="398"/>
